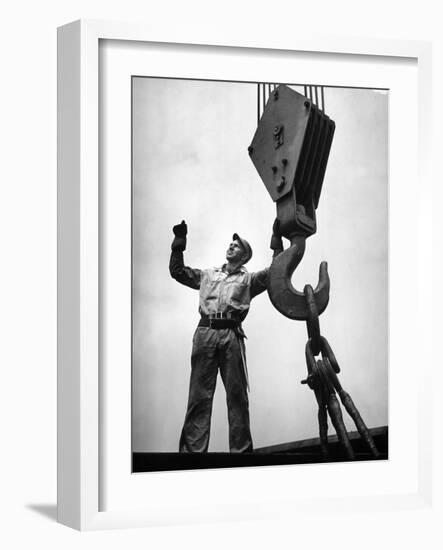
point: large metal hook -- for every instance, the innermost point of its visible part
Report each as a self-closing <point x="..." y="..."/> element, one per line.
<point x="287" y="299"/>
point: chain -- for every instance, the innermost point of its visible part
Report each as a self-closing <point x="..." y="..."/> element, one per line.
<point x="322" y="379"/>
<point x="316" y="343"/>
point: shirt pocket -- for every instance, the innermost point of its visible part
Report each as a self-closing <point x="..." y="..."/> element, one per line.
<point x="210" y="288"/>
<point x="238" y="293"/>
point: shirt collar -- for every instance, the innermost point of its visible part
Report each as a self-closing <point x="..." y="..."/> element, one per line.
<point x="240" y="269"/>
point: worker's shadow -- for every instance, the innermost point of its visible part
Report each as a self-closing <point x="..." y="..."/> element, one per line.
<point x="47" y="510"/>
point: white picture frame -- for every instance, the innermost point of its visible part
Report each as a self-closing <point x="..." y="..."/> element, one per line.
<point x="79" y="448"/>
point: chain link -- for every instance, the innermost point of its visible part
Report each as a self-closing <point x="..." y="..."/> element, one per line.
<point x="312" y="322"/>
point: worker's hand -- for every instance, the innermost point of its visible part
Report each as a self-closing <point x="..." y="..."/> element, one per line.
<point x="276" y="228"/>
<point x="276" y="240"/>
<point x="180" y="232"/>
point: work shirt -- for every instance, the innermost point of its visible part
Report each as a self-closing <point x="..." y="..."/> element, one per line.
<point x="220" y="291"/>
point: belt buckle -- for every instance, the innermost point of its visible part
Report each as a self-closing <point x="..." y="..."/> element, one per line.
<point x="211" y="316"/>
<point x="214" y="318"/>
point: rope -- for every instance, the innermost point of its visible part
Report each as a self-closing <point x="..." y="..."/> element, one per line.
<point x="264" y="90"/>
<point x="258" y="103"/>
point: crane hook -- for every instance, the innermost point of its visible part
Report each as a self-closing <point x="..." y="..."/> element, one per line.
<point x="284" y="296"/>
<point x="290" y="152"/>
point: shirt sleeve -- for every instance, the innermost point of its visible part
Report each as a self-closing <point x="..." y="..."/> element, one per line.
<point x="258" y="282"/>
<point x="185" y="275"/>
<point x="259" y="279"/>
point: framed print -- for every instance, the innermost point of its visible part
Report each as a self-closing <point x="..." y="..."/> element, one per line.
<point x="182" y="131"/>
<point x="162" y="160"/>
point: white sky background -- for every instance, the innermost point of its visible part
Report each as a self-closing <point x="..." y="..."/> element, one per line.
<point x="190" y="162"/>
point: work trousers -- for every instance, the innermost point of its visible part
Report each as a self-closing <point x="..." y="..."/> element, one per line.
<point x="215" y="349"/>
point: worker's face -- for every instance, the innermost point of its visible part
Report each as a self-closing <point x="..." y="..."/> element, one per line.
<point x="235" y="252"/>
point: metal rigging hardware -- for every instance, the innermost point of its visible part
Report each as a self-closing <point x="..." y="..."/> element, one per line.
<point x="290" y="151"/>
<point x="323" y="380"/>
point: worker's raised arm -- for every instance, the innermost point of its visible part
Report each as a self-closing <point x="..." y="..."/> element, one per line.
<point x="181" y="273"/>
<point x="259" y="279"/>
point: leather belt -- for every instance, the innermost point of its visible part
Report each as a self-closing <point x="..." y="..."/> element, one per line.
<point x="219" y="321"/>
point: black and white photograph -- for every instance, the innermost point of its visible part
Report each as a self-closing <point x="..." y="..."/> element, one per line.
<point x="223" y="249"/>
<point x="259" y="273"/>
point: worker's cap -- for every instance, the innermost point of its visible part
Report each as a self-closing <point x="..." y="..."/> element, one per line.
<point x="245" y="245"/>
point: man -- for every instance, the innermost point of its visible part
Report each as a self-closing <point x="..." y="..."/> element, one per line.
<point x="218" y="343"/>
